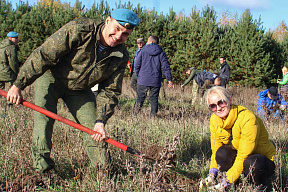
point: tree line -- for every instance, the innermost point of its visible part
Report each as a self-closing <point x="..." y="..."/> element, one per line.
<point x="199" y="39"/>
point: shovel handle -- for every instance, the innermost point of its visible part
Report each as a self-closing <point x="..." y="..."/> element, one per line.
<point x="73" y="124"/>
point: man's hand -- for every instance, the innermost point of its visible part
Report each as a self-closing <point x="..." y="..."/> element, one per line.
<point x="170" y="84"/>
<point x="101" y="134"/>
<point x="14" y="95"/>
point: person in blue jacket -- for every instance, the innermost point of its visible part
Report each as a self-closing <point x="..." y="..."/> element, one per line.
<point x="270" y="102"/>
<point x="149" y="66"/>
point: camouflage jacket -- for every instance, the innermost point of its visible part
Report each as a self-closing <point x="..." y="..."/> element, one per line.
<point x="70" y="55"/>
<point x="9" y="66"/>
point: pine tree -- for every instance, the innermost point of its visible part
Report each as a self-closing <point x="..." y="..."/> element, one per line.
<point x="251" y="65"/>
<point x="6" y="18"/>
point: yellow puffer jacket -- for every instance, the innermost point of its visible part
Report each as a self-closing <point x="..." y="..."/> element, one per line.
<point x="249" y="136"/>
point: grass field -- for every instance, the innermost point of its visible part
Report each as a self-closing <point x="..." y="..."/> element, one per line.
<point x="180" y="127"/>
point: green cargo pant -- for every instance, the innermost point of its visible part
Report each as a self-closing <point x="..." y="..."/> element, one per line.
<point x="194" y="93"/>
<point x="162" y="94"/>
<point x="81" y="104"/>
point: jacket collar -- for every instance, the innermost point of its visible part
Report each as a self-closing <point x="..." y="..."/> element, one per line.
<point x="231" y="118"/>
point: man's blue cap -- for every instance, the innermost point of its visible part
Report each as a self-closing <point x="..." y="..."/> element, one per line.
<point x="125" y="17"/>
<point x="12" y="34"/>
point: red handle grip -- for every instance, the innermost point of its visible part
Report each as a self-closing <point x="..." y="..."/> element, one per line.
<point x="72" y="123"/>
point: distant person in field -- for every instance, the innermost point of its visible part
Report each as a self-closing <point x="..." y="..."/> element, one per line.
<point x="239" y="143"/>
<point x="271" y="104"/>
<point x="224" y="72"/>
<point x="81" y="54"/>
<point x="149" y="66"/>
<point x="9" y="65"/>
<point x="283" y="82"/>
<point x="203" y="79"/>
<point x="133" y="82"/>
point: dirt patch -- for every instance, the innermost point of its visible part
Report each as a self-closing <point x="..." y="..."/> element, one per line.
<point x="32" y="182"/>
<point x="181" y="180"/>
<point x="153" y="152"/>
<point x="159" y="153"/>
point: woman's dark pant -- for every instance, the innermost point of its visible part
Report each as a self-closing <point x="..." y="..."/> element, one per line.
<point x="257" y="167"/>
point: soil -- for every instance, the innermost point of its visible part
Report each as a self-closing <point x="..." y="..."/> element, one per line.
<point x="168" y="180"/>
<point x="181" y="180"/>
<point x="153" y="152"/>
<point x="32" y="182"/>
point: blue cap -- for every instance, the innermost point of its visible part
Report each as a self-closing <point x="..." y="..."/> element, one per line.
<point x="125" y="17"/>
<point x="12" y="34"/>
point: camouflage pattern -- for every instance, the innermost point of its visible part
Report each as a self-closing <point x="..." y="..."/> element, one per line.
<point x="194" y="94"/>
<point x="70" y="55"/>
<point x="9" y="65"/>
<point x="198" y="91"/>
<point x="207" y="85"/>
<point x="3" y="83"/>
<point x="193" y="72"/>
<point x="69" y="66"/>
<point x="79" y="103"/>
<point x="162" y="94"/>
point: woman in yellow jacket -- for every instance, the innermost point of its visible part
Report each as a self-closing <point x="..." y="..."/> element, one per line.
<point x="239" y="141"/>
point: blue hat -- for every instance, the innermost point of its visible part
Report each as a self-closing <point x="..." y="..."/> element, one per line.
<point x="12" y="34"/>
<point x="125" y="17"/>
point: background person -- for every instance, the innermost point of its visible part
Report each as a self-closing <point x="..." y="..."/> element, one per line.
<point x="204" y="80"/>
<point x="270" y="102"/>
<point x="64" y="67"/>
<point x="224" y="72"/>
<point x="191" y="72"/>
<point x="133" y="82"/>
<point x="283" y="82"/>
<point x="239" y="142"/>
<point x="9" y="65"/>
<point x="149" y="65"/>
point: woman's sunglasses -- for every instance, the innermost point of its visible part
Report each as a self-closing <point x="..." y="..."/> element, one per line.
<point x="221" y="103"/>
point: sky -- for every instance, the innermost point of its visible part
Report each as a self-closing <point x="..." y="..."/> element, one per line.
<point x="271" y="12"/>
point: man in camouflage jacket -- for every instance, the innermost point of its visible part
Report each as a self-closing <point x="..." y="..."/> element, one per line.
<point x="84" y="52"/>
<point x="9" y="66"/>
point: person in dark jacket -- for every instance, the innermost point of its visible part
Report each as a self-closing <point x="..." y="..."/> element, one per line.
<point x="270" y="102"/>
<point x="133" y="82"/>
<point x="204" y="80"/>
<point x="9" y="65"/>
<point x="149" y="65"/>
<point x="81" y="54"/>
<point x="224" y="72"/>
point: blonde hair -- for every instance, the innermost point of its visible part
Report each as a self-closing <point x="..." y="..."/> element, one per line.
<point x="284" y="70"/>
<point x="221" y="91"/>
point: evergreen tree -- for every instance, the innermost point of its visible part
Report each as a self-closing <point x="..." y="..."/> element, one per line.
<point x="196" y="40"/>
<point x="6" y="18"/>
<point x="276" y="58"/>
<point x="250" y="62"/>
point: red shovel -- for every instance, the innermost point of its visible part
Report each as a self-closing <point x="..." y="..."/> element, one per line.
<point x="73" y="124"/>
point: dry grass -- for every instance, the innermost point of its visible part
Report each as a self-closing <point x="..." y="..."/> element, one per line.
<point x="182" y="128"/>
